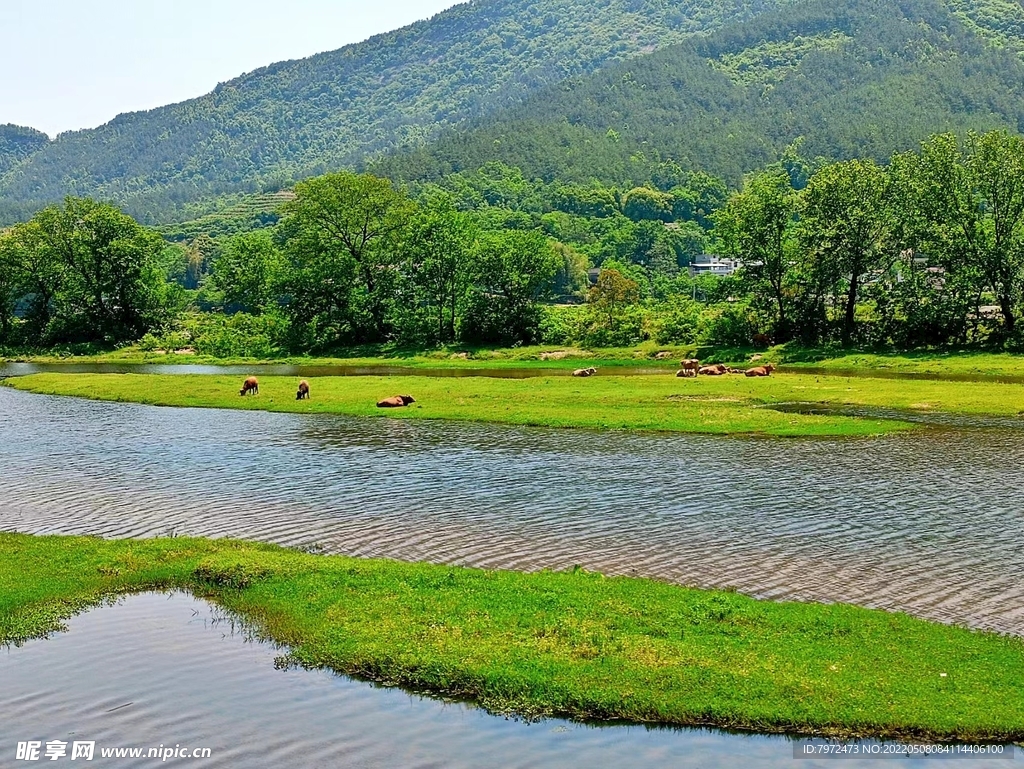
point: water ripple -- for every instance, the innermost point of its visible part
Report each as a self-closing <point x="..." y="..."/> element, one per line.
<point x="925" y="523"/>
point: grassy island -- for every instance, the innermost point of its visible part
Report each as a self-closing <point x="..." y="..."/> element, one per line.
<point x="574" y="644"/>
<point x="731" y="404"/>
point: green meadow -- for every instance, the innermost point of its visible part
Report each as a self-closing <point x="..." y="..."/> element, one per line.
<point x="573" y="644"/>
<point x="731" y="404"/>
<point x="724" y="405"/>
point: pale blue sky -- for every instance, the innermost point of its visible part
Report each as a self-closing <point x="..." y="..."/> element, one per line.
<point x="69" y="64"/>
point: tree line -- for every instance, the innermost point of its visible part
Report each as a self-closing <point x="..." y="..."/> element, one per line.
<point x="924" y="251"/>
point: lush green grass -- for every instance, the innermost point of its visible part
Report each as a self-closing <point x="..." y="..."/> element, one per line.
<point x="962" y="363"/>
<point x="728" y="404"/>
<point x="972" y="363"/>
<point x="706" y="405"/>
<point x="539" y="356"/>
<point x="570" y="643"/>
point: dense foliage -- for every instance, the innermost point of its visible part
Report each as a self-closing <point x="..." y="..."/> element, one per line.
<point x="924" y="251"/>
<point x="298" y="118"/>
<point x="81" y="272"/>
<point x="18" y="143"/>
<point x="861" y="78"/>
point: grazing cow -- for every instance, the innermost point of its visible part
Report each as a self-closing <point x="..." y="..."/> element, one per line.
<point x="250" y="385"/>
<point x="303" y="390"/>
<point x="689" y="367"/>
<point x="761" y="370"/>
<point x="762" y="340"/>
<point x="585" y="371"/>
<point x="395" y="401"/>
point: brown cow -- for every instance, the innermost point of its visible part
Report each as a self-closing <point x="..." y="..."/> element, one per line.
<point x="395" y="401"/>
<point x="761" y="370"/>
<point x="250" y="385"/>
<point x="717" y="370"/>
<point x="689" y="367"/>
<point x="303" y="390"/>
<point x="762" y="340"/>
<point x="585" y="371"/>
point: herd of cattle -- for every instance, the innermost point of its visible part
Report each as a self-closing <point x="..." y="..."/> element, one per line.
<point x="690" y="367"/>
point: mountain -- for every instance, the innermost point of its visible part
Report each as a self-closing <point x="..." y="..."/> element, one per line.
<point x="862" y="78"/>
<point x="297" y="118"/>
<point x="18" y="143"/>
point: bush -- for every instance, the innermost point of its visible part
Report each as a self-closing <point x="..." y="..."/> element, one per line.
<point x="237" y="336"/>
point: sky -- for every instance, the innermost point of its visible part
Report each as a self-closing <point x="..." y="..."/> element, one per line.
<point x="70" y="64"/>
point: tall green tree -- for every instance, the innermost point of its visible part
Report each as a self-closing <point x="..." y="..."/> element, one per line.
<point x="355" y="218"/>
<point x="756" y="226"/>
<point x="439" y="242"/>
<point x="88" y="272"/>
<point x="975" y="203"/>
<point x="248" y="272"/>
<point x="847" y="228"/>
<point x="513" y="271"/>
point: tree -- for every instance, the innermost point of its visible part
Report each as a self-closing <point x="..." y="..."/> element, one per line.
<point x="247" y="272"/>
<point x="847" y="228"/>
<point x="612" y="293"/>
<point x="756" y="226"/>
<point x="644" y="203"/>
<point x="513" y="270"/>
<point x="36" y="273"/>
<point x="10" y="280"/>
<point x="358" y="217"/>
<point x="88" y="273"/>
<point x="974" y="200"/>
<point x="438" y="245"/>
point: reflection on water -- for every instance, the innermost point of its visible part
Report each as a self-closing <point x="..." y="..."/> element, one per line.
<point x="163" y="670"/>
<point x="928" y="523"/>
<point x="305" y="370"/>
<point x="504" y="372"/>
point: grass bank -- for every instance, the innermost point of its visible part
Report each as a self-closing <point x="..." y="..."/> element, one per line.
<point x="722" y="405"/>
<point x="972" y="363"/>
<point x="571" y="643"/>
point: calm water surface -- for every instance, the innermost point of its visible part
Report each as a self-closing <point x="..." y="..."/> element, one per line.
<point x="505" y="372"/>
<point x="929" y="523"/>
<point x="305" y="370"/>
<point x="167" y="670"/>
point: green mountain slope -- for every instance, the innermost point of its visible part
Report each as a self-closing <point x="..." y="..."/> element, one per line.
<point x="301" y="117"/>
<point x="18" y="143"/>
<point x="860" y="78"/>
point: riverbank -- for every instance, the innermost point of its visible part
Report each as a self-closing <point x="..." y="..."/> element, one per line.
<point x="731" y="404"/>
<point x="573" y="644"/>
<point x="973" y="363"/>
<point x="715" y="405"/>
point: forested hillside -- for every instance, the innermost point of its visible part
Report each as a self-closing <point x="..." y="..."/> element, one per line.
<point x="563" y="89"/>
<point x="293" y="119"/>
<point x="18" y="143"/>
<point x="862" y="78"/>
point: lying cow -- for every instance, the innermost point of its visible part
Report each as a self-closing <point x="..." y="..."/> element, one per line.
<point x="303" y="390"/>
<point x="761" y="370"/>
<point x="717" y="370"/>
<point x="688" y="367"/>
<point x="395" y="401"/>
<point x="250" y="385"/>
<point x="584" y="372"/>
